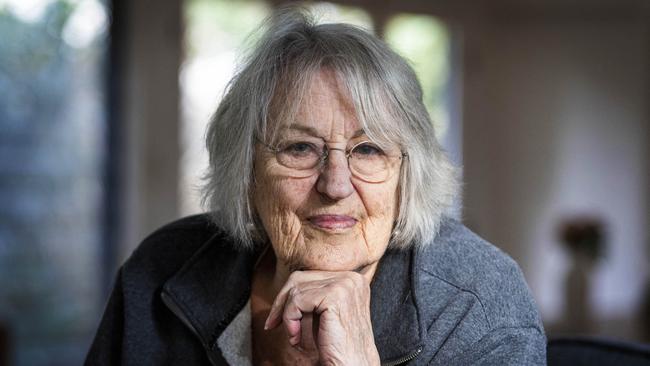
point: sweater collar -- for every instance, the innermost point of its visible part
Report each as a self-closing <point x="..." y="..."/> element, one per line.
<point x="215" y="284"/>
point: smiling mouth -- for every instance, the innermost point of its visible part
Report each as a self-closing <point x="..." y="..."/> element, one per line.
<point x="332" y="222"/>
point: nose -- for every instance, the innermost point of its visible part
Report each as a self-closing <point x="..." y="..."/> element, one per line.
<point x="334" y="180"/>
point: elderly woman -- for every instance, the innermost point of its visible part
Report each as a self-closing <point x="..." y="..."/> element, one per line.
<point x="327" y="241"/>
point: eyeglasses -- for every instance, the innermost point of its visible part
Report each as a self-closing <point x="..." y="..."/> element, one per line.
<point x="366" y="160"/>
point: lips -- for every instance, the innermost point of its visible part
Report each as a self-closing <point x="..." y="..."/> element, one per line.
<point x="333" y="222"/>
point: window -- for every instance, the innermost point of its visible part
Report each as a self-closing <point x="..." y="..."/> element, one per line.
<point x="51" y="170"/>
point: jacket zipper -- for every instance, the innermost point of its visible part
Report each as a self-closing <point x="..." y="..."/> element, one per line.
<point x="404" y="359"/>
<point x="173" y="306"/>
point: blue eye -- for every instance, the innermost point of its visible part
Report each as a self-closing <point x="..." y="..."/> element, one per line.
<point x="367" y="149"/>
<point x="299" y="149"/>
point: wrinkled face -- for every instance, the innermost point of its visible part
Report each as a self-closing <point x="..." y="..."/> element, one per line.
<point x="330" y="219"/>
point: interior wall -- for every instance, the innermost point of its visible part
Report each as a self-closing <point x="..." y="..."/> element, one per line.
<point x="149" y="118"/>
<point x="556" y="124"/>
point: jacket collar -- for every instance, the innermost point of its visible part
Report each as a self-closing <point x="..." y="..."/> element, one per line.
<point x="215" y="284"/>
<point x="397" y="327"/>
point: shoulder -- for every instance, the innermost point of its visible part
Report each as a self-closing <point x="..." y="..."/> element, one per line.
<point x="474" y="302"/>
<point x="189" y="229"/>
<point x="166" y="250"/>
<point x="137" y="326"/>
<point x="469" y="267"/>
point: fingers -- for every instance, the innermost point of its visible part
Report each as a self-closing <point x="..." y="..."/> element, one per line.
<point x="291" y="318"/>
<point x="336" y="306"/>
<point x="305" y="292"/>
<point x="299" y="305"/>
<point x="301" y="281"/>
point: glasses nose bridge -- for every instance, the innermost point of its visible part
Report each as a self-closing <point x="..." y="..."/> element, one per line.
<point x="326" y="153"/>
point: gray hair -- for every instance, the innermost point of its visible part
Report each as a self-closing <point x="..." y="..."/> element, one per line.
<point x="386" y="96"/>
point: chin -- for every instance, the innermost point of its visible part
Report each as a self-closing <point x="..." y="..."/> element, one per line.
<point x="330" y="258"/>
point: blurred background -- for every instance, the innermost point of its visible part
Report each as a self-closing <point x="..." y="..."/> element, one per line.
<point x="103" y="104"/>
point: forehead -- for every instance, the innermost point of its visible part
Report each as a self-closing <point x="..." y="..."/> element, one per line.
<point x="325" y="107"/>
<point x="324" y="101"/>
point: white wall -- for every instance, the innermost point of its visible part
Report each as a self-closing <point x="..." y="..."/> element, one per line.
<point x="556" y="123"/>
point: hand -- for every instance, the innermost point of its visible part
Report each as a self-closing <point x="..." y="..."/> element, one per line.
<point x="340" y="305"/>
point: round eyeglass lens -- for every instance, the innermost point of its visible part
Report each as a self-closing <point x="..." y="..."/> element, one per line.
<point x="300" y="156"/>
<point x="369" y="162"/>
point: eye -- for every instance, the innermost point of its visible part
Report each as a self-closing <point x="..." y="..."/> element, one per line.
<point x="300" y="149"/>
<point x="367" y="149"/>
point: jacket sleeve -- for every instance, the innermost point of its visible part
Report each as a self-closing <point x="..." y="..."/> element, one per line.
<point x="106" y="348"/>
<point x="505" y="346"/>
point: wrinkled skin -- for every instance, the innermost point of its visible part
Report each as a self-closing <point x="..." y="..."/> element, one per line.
<point x="317" y="282"/>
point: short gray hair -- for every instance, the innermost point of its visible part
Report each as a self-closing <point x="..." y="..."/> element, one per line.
<point x="387" y="98"/>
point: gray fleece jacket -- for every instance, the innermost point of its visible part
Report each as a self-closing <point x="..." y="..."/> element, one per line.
<point x="458" y="301"/>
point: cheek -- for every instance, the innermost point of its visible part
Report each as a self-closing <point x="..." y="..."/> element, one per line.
<point x="381" y="204"/>
<point x="277" y="199"/>
<point x="380" y="201"/>
<point x="280" y="194"/>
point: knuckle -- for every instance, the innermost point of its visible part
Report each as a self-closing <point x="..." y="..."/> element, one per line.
<point x="341" y="291"/>
<point x="294" y="292"/>
<point x="293" y="277"/>
<point x="349" y="282"/>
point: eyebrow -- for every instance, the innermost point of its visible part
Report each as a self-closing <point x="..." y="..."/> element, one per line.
<point x="312" y="131"/>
